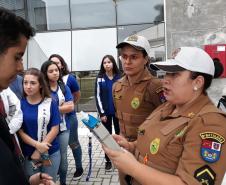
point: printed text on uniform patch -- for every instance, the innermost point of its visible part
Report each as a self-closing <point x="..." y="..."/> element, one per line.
<point x="211" y="146"/>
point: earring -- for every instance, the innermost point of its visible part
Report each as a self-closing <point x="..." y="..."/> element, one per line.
<point x="195" y="88"/>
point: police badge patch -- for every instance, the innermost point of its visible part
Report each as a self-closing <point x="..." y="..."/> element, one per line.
<point x="205" y="175"/>
<point x="211" y="146"/>
<point x="154" y="146"/>
<point x="135" y="103"/>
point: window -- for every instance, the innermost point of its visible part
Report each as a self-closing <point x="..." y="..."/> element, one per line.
<point x="89" y="47"/>
<point x="142" y="11"/>
<point x="92" y="13"/>
<point x="45" y="44"/>
<point x="49" y="14"/>
<point x="17" y="6"/>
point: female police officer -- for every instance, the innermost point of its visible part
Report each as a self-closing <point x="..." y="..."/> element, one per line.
<point x="137" y="93"/>
<point x="183" y="140"/>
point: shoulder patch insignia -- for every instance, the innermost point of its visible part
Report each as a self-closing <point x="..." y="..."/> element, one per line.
<point x="205" y="175"/>
<point x="211" y="146"/>
<point x="135" y="103"/>
<point x="160" y="93"/>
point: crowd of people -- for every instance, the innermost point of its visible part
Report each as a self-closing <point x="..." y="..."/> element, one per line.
<point x="37" y="112"/>
<point x="169" y="130"/>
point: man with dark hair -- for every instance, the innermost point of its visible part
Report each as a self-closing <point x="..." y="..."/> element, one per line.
<point x="14" y="35"/>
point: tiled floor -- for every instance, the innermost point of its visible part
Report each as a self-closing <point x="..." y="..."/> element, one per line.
<point x="98" y="174"/>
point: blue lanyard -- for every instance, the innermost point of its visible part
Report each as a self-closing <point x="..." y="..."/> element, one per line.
<point x="90" y="158"/>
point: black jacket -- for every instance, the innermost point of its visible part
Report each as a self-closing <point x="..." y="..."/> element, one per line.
<point x="11" y="171"/>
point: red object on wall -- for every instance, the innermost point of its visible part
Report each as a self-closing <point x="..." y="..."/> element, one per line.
<point x="218" y="53"/>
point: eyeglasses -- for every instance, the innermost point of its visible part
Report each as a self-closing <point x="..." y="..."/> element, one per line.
<point x="131" y="58"/>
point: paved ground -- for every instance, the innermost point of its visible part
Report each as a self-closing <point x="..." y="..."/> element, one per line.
<point x="99" y="176"/>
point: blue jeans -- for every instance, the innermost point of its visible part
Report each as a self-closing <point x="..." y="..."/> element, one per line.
<point x="63" y="140"/>
<point x="74" y="142"/>
<point x="51" y="170"/>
